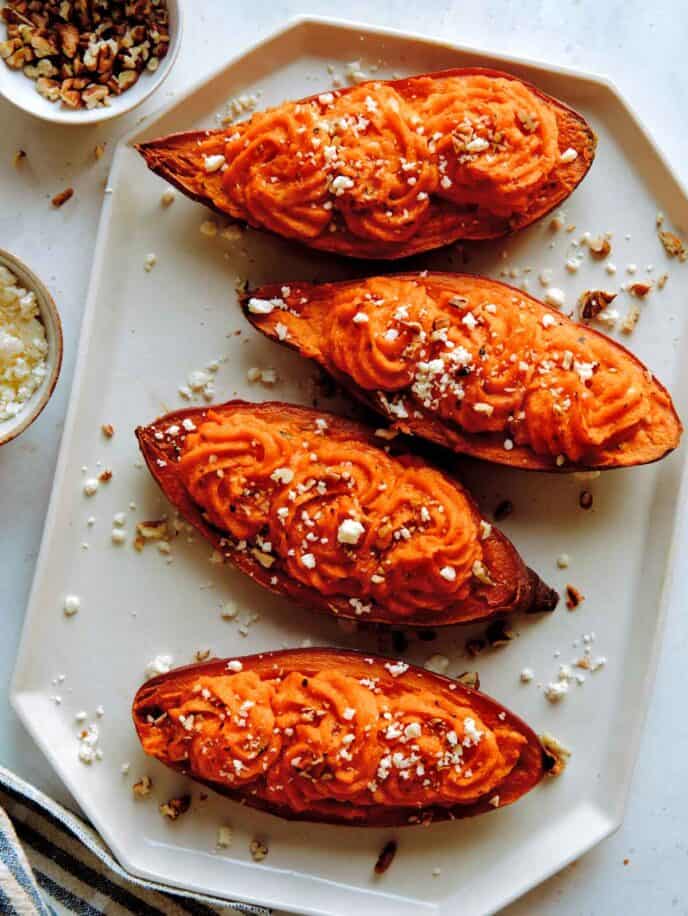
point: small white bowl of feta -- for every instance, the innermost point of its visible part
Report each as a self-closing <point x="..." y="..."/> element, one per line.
<point x="30" y="346"/>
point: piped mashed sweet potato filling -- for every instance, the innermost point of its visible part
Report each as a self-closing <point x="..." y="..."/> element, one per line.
<point x="305" y="742"/>
<point x="472" y="153"/>
<point x="342" y="516"/>
<point x="482" y="358"/>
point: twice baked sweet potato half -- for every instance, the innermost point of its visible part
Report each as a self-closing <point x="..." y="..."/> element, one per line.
<point x="477" y="366"/>
<point x="338" y="737"/>
<point x="312" y="507"/>
<point x="391" y="168"/>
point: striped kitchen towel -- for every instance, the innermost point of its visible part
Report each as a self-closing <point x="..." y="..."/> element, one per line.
<point x="53" y="864"/>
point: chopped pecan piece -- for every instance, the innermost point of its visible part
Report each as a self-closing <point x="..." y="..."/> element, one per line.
<point x="94" y="95"/>
<point x="556" y="756"/>
<point x="573" y="597"/>
<point x="594" y="301"/>
<point x="173" y="808"/>
<point x="640" y="289"/>
<point x="384" y="860"/>
<point x="585" y="499"/>
<point x="69" y="39"/>
<point x="48" y="88"/>
<point x="62" y="198"/>
<point x="631" y="320"/>
<point x="258" y="850"/>
<point x="42" y="45"/>
<point x="673" y="245"/>
<point x="157" y="530"/>
<point x="469" y="679"/>
<point x="599" y="247"/>
<point x="20" y="58"/>
<point x="142" y="788"/>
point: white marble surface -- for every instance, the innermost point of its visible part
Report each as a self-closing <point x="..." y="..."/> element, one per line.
<point x="641" y="47"/>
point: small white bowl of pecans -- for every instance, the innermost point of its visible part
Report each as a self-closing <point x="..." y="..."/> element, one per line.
<point x="79" y="62"/>
<point x="30" y="346"/>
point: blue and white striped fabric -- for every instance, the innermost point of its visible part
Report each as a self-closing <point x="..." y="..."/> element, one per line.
<point x="54" y="864"/>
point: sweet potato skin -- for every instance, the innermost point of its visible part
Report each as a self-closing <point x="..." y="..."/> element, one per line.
<point x="518" y="588"/>
<point x="488" y="447"/>
<point x="170" y="158"/>
<point x="526" y="775"/>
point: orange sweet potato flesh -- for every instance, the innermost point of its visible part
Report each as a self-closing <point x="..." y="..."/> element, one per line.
<point x="338" y="737"/>
<point x="477" y="366"/>
<point x="388" y="169"/>
<point x="310" y="506"/>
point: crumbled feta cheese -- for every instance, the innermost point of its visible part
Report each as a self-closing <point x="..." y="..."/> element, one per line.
<point x="350" y="531"/>
<point x="234" y="665"/>
<point x="484" y="408"/>
<point x="555" y="296"/>
<point x="349" y="713"/>
<point x="569" y="155"/>
<point x="213" y="163"/>
<point x="340" y="184"/>
<point x="485" y="530"/>
<point x="90" y="486"/>
<point x="584" y="371"/>
<point x="360" y="318"/>
<point x="282" y="475"/>
<point x="224" y="837"/>
<point x="161" y="664"/>
<point x="555" y="690"/>
<point x="396" y="668"/>
<point x="308" y="560"/>
<point x="71" y="605"/>
<point x="208" y="228"/>
<point x="229" y="610"/>
<point x="448" y="573"/>
<point x="264" y="306"/>
<point x="88" y="741"/>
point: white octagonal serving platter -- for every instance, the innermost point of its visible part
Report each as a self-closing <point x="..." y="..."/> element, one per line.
<point x="144" y="331"/>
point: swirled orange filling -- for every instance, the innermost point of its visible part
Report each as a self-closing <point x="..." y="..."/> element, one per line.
<point x="337" y="515"/>
<point x="299" y="741"/>
<point x="373" y="157"/>
<point x="495" y="141"/>
<point x="483" y="357"/>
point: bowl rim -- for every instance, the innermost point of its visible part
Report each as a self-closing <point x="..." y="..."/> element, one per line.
<point x="53" y="114"/>
<point x="46" y="304"/>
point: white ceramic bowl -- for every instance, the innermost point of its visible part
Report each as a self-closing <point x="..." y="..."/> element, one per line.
<point x="10" y="429"/>
<point x="21" y="91"/>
